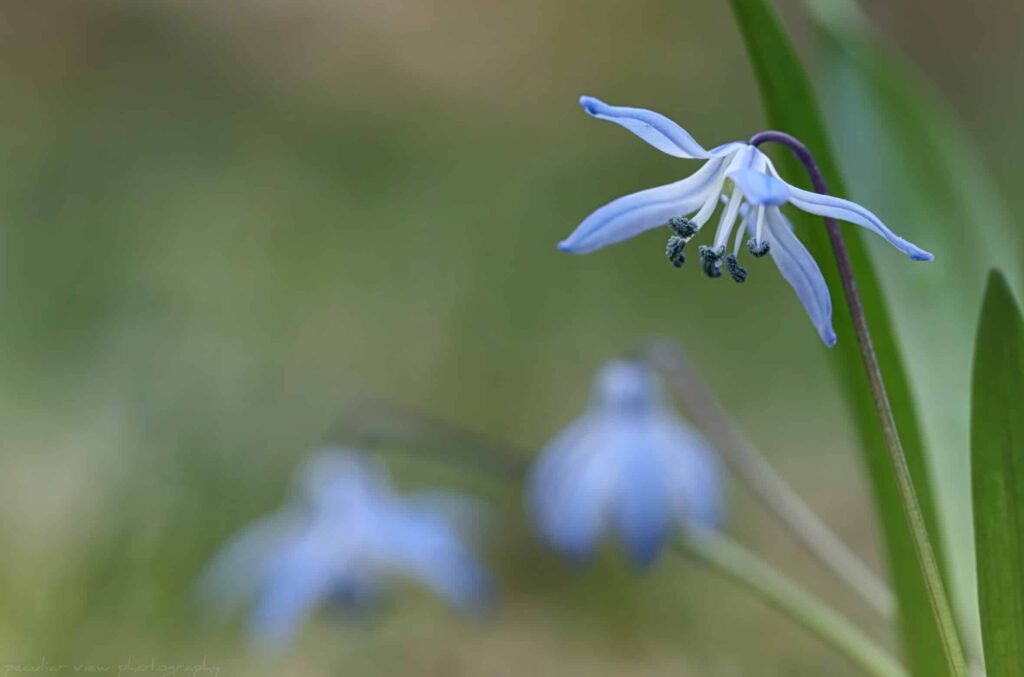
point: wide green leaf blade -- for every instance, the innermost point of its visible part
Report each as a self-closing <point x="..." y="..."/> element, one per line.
<point x="792" y="107"/>
<point x="899" y="146"/>
<point x="997" y="476"/>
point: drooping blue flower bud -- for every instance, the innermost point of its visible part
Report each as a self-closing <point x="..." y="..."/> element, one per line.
<point x="338" y="542"/>
<point x="627" y="466"/>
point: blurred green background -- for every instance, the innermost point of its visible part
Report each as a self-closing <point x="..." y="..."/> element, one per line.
<point x="221" y="221"/>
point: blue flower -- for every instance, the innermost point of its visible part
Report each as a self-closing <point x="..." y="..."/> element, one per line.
<point x="346" y="532"/>
<point x="627" y="465"/>
<point x="755" y="193"/>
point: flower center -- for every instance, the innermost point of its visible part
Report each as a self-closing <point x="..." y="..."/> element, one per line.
<point x="737" y="215"/>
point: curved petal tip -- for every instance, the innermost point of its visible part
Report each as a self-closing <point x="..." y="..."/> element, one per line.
<point x="829" y="337"/>
<point x="565" y="246"/>
<point x="590" y="104"/>
<point x="920" y="255"/>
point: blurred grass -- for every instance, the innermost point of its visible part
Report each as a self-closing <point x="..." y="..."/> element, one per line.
<point x="219" y="223"/>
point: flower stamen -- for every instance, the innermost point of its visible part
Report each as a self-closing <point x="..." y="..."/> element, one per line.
<point x="738" y="272"/>
<point x="760" y="224"/>
<point x="711" y="260"/>
<point x="758" y="249"/>
<point x="711" y="201"/>
<point x="683" y="227"/>
<point x="728" y="220"/>
<point x="674" y="250"/>
<point x="738" y="240"/>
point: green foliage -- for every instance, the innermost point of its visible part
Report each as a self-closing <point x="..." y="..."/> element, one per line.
<point x="899" y="147"/>
<point x="997" y="474"/>
<point x="792" y="107"/>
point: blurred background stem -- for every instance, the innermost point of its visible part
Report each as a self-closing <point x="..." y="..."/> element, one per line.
<point x="744" y="567"/>
<point x="761" y="478"/>
<point x="379" y="424"/>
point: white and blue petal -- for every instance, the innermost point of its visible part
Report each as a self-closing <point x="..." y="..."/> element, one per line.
<point x="799" y="268"/>
<point x="552" y="470"/>
<point x="631" y="215"/>
<point x="581" y="489"/>
<point x="237" y="570"/>
<point x="693" y="473"/>
<point x="298" y="577"/>
<point x="845" y="210"/>
<point x="654" y="128"/>
<point x="643" y="507"/>
<point x="426" y="549"/>
<point x="760" y="188"/>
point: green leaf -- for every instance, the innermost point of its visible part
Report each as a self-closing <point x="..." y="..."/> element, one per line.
<point x="791" y="107"/>
<point x="997" y="476"/>
<point x="883" y="116"/>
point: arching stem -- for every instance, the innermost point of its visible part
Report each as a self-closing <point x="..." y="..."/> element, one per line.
<point x="941" y="609"/>
<point x="383" y="425"/>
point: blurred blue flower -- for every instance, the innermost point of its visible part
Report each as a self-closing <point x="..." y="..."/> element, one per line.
<point x="757" y="193"/>
<point x="345" y="533"/>
<point x="628" y="465"/>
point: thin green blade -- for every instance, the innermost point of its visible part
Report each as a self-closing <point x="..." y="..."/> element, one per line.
<point x="997" y="475"/>
<point x="883" y="116"/>
<point x="792" y="107"/>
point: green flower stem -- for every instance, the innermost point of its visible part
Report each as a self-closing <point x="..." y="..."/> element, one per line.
<point x="751" y="467"/>
<point x="746" y="568"/>
<point x="937" y="596"/>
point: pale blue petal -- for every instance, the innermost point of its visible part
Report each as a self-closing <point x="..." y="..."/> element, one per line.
<point x="691" y="470"/>
<point x="697" y="474"/>
<point x="341" y="481"/>
<point x="427" y="549"/>
<point x="236" y="571"/>
<point x="643" y="509"/>
<point x="654" y="128"/>
<point x="726" y="149"/>
<point x="571" y="488"/>
<point x="760" y="188"/>
<point x="844" y="210"/>
<point x="298" y="578"/>
<point x="552" y="469"/>
<point x="633" y="214"/>
<point x="575" y="527"/>
<point x="801" y="271"/>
